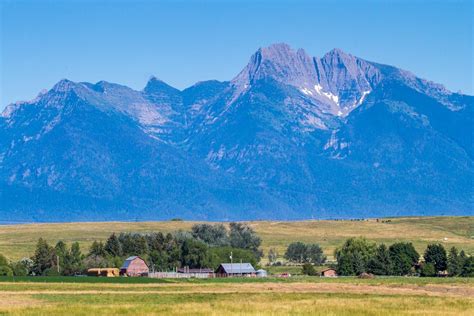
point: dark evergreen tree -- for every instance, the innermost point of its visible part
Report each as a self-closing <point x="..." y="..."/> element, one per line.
<point x="436" y="254"/>
<point x="60" y="255"/>
<point x="455" y="262"/>
<point x="380" y="263"/>
<point x="43" y="258"/>
<point x="97" y="249"/>
<point x="74" y="261"/>
<point x="403" y="257"/>
<point x="468" y="267"/>
<point x="113" y="246"/>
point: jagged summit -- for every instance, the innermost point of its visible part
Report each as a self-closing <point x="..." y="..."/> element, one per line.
<point x="338" y="81"/>
<point x="155" y="85"/>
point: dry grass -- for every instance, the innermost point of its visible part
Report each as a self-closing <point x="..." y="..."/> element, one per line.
<point x="267" y="298"/>
<point x="17" y="241"/>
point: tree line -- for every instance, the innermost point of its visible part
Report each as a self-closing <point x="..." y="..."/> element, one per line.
<point x="205" y="246"/>
<point x="358" y="255"/>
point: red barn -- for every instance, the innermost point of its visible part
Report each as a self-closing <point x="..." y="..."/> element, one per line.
<point x="134" y="266"/>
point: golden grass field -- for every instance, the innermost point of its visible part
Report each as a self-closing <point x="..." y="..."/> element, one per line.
<point x="271" y="296"/>
<point x="17" y="241"/>
<point x="307" y="296"/>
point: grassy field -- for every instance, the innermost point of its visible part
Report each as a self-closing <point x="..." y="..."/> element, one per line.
<point x="296" y="296"/>
<point x="270" y="296"/>
<point x="17" y="241"/>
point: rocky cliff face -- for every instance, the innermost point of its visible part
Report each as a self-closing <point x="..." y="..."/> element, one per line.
<point x="291" y="136"/>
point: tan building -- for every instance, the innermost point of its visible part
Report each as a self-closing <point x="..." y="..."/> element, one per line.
<point x="329" y="273"/>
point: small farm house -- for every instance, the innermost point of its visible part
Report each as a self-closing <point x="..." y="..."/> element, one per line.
<point x="134" y="266"/>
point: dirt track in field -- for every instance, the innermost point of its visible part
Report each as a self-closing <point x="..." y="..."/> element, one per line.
<point x="21" y="296"/>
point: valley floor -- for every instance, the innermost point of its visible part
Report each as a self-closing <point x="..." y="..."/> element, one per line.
<point x="296" y="296"/>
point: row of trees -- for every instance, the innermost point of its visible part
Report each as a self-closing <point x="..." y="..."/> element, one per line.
<point x="204" y="246"/>
<point x="358" y="255"/>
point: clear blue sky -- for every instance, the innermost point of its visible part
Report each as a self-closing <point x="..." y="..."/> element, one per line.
<point x="185" y="42"/>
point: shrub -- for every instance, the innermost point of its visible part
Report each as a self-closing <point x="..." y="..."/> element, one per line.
<point x="308" y="269"/>
<point x="428" y="270"/>
<point x="6" y="271"/>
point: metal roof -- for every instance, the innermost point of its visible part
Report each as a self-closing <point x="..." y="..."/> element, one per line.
<point x="237" y="268"/>
<point x="128" y="261"/>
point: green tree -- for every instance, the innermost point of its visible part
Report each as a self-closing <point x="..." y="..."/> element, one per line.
<point x="243" y="236"/>
<point x="468" y="267"/>
<point x="380" y="263"/>
<point x="159" y="260"/>
<point x="97" y="249"/>
<point x="113" y="246"/>
<point x="194" y="254"/>
<point x="354" y="255"/>
<point x="315" y="254"/>
<point x="3" y="261"/>
<point x="308" y="269"/>
<point x="19" y="269"/>
<point x="43" y="258"/>
<point x="436" y="254"/>
<point x="213" y="235"/>
<point x="73" y="263"/>
<point x="296" y="252"/>
<point x="403" y="257"/>
<point x="61" y="254"/>
<point x="428" y="270"/>
<point x="220" y="255"/>
<point x="455" y="262"/>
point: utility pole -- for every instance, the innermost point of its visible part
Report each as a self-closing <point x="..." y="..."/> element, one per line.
<point x="231" y="264"/>
<point x="57" y="262"/>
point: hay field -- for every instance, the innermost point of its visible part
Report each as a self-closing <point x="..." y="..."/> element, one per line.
<point x="299" y="296"/>
<point x="17" y="241"/>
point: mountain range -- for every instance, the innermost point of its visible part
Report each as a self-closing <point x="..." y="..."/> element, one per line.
<point x="289" y="137"/>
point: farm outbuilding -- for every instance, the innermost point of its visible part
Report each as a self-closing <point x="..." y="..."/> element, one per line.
<point x="329" y="273"/>
<point x="103" y="272"/>
<point x="262" y="273"/>
<point x="235" y="269"/>
<point x="134" y="266"/>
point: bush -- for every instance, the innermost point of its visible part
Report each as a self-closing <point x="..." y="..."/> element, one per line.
<point x="3" y="260"/>
<point x="19" y="269"/>
<point x="428" y="270"/>
<point x="6" y="271"/>
<point x="308" y="269"/>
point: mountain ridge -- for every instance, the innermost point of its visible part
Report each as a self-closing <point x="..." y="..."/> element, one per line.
<point x="290" y="136"/>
